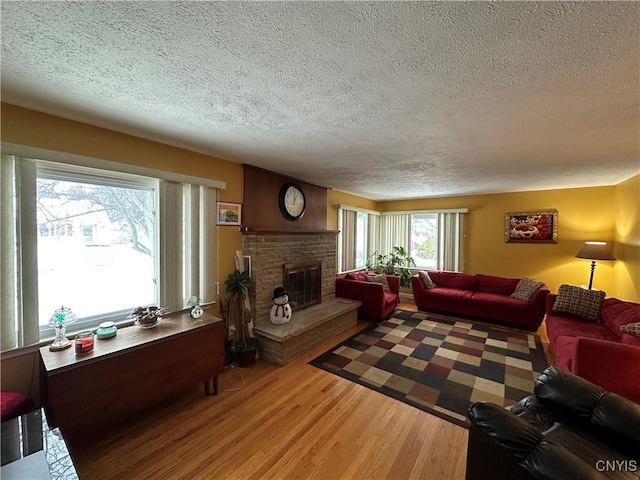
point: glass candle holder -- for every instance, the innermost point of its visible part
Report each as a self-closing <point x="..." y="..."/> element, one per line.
<point x="84" y="343"/>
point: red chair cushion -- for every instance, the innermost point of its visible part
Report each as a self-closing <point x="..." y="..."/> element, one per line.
<point x="14" y="404"/>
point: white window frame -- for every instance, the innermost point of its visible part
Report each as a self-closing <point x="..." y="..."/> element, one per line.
<point x="199" y="278"/>
<point x="73" y="173"/>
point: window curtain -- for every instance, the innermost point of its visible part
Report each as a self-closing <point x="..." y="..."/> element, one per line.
<point x="348" y="240"/>
<point x="451" y="241"/>
<point x="394" y="231"/>
<point x="200" y="242"/>
<point x="19" y="259"/>
<point x="373" y="234"/>
<point x="187" y="243"/>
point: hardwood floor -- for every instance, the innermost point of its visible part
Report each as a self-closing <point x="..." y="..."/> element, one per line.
<point x="292" y="422"/>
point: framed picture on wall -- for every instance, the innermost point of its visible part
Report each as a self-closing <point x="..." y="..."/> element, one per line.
<point x="531" y="227"/>
<point x="229" y="213"/>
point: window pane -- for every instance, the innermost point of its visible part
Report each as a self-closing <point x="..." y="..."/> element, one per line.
<point x="361" y="239"/>
<point x="96" y="248"/>
<point x="424" y="240"/>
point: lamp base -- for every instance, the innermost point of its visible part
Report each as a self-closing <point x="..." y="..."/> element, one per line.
<point x="61" y="341"/>
<point x="56" y="346"/>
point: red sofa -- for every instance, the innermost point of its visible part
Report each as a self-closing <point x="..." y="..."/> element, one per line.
<point x="482" y="296"/>
<point x="597" y="350"/>
<point x="376" y="303"/>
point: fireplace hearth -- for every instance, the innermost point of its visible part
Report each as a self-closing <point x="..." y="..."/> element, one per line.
<point x="303" y="282"/>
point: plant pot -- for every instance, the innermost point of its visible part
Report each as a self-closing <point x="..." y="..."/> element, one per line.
<point x="246" y="354"/>
<point x="230" y="352"/>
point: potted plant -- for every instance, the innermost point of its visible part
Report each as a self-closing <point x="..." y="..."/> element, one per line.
<point x="395" y="263"/>
<point x="147" y="317"/>
<point x="237" y="300"/>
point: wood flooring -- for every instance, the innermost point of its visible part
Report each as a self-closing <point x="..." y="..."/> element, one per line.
<point x="291" y="422"/>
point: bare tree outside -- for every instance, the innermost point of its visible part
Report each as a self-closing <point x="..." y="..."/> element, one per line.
<point x="92" y="239"/>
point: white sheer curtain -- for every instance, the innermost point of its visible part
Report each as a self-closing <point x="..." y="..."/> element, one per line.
<point x="394" y="231"/>
<point x="348" y="240"/>
<point x="373" y="234"/>
<point x="200" y="242"/>
<point x="19" y="259"/>
<point x="187" y="243"/>
<point x="451" y="241"/>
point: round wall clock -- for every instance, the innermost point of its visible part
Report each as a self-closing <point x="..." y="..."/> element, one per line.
<point x="292" y="201"/>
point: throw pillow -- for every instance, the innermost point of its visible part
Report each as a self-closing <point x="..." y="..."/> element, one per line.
<point x="426" y="279"/>
<point x="379" y="278"/>
<point x="578" y="301"/>
<point x="631" y="328"/>
<point x="526" y="288"/>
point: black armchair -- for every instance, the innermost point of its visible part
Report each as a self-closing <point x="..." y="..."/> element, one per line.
<point x="569" y="429"/>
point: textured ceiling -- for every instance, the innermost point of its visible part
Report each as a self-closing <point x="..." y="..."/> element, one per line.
<point x="386" y="100"/>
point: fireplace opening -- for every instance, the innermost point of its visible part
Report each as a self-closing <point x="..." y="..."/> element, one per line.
<point x="303" y="282"/>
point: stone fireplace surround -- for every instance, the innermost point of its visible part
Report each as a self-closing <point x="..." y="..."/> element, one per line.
<point x="270" y="252"/>
<point x="281" y="344"/>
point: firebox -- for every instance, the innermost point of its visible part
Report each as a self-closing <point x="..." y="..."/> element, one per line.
<point x="303" y="282"/>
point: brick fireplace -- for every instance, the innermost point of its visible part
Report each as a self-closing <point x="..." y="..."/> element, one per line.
<point x="271" y="252"/>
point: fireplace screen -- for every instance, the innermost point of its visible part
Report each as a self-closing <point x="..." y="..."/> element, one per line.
<point x="303" y="282"/>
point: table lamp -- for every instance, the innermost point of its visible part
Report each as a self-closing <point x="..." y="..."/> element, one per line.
<point x="595" y="251"/>
<point x="62" y="317"/>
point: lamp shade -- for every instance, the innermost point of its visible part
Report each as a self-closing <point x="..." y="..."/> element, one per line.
<point x="596" y="251"/>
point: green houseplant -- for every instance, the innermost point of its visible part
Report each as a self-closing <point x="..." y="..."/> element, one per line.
<point x="397" y="263"/>
<point x="237" y="301"/>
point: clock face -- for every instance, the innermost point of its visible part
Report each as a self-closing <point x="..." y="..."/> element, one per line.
<point x="292" y="202"/>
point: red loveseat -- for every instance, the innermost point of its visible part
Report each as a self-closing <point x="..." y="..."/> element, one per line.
<point x="482" y="296"/>
<point x="376" y="303"/>
<point x="596" y="350"/>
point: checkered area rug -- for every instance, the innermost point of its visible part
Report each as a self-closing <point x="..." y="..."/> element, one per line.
<point x="438" y="363"/>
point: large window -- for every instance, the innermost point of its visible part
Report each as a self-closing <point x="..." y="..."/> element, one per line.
<point x="424" y="240"/>
<point x="96" y="246"/>
<point x="91" y="239"/>
<point x="433" y="238"/>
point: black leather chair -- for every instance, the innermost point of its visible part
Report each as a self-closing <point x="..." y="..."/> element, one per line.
<point x="570" y="429"/>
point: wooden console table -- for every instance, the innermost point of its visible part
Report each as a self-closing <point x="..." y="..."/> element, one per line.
<point x="131" y="371"/>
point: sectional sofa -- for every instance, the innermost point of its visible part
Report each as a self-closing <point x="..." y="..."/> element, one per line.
<point x="597" y="349"/>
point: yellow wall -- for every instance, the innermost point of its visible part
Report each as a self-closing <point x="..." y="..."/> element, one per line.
<point x="27" y="127"/>
<point x="583" y="214"/>
<point x="603" y="213"/>
<point x="626" y="271"/>
<point x="610" y="214"/>
<point x="335" y="198"/>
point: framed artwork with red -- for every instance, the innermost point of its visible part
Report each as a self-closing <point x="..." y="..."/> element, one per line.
<point x="531" y="227"/>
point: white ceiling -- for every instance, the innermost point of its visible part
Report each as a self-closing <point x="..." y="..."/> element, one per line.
<point x="386" y="100"/>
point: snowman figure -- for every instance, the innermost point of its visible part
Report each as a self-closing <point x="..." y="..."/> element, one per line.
<point x="281" y="310"/>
